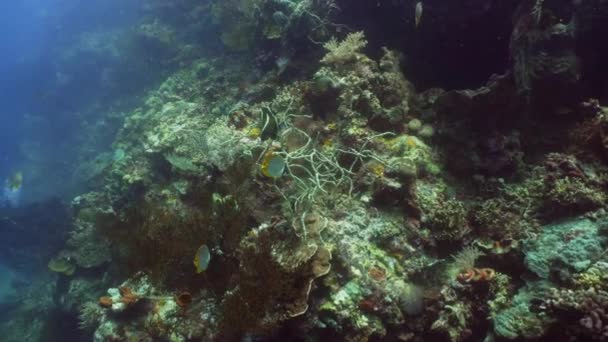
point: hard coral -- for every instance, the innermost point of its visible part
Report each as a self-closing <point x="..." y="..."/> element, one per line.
<point x="585" y="310"/>
<point x="276" y="274"/>
<point x="446" y="219"/>
<point x="62" y="265"/>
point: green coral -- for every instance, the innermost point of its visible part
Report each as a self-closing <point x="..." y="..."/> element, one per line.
<point x="518" y="320"/>
<point x="448" y="219"/>
<point x="501" y="292"/>
<point x="500" y="219"/>
<point x="443" y="216"/>
<point x="454" y="320"/>
<point x="410" y="150"/>
<point x="595" y="277"/>
<point x="570" y="192"/>
<point x="565" y="247"/>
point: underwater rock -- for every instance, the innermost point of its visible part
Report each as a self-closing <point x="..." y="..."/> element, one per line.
<point x="546" y="64"/>
<point x="500" y="155"/>
<point x="87" y="248"/>
<point x="487" y="107"/>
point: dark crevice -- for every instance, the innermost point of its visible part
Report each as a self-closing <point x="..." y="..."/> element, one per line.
<point x="592" y="51"/>
<point x="456" y="46"/>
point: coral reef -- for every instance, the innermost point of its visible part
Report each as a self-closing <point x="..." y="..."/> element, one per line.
<point x="565" y="248"/>
<point x="334" y="194"/>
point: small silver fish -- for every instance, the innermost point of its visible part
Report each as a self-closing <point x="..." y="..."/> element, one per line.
<point x="418" y="12"/>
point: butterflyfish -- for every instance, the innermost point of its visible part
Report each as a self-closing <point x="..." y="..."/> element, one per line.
<point x="273" y="165"/>
<point x="202" y="258"/>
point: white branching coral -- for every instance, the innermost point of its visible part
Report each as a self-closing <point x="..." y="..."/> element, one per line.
<point x="465" y="259"/>
<point x="314" y="169"/>
<point x="345" y="51"/>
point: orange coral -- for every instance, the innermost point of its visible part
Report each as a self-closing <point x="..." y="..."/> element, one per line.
<point x="105" y="301"/>
<point x="474" y="275"/>
<point x="127" y="296"/>
<point x="466" y="276"/>
<point x="487" y="274"/>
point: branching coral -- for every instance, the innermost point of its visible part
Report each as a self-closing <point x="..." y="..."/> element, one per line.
<point x="345" y="51"/>
<point x="499" y="219"/>
<point x="314" y="170"/>
<point x="216" y="146"/>
<point x="445" y="218"/>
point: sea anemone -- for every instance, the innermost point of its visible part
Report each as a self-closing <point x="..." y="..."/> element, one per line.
<point x="89" y="316"/>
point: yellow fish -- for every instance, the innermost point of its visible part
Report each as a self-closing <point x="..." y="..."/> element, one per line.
<point x="418" y="13"/>
<point x="273" y="165"/>
<point x="15" y="182"/>
<point x="202" y="258"/>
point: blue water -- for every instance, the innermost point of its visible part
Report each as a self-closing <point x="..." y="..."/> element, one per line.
<point x="41" y="94"/>
<point x="44" y="97"/>
<point x="7" y="290"/>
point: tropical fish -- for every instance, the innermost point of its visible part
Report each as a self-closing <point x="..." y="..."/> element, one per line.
<point x="418" y="12"/>
<point x="273" y="165"/>
<point x="202" y="258"/>
<point x="15" y="182"/>
<point x="11" y="192"/>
